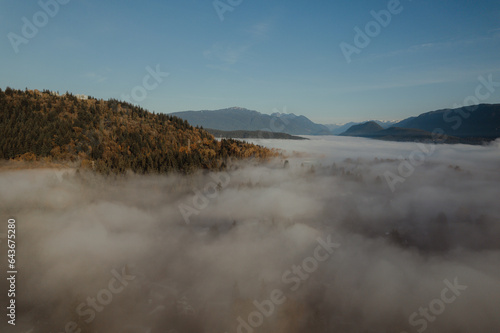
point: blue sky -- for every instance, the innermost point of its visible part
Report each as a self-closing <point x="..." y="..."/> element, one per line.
<point x="265" y="55"/>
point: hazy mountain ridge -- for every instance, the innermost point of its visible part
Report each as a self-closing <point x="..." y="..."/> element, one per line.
<point x="337" y="129"/>
<point x="481" y="121"/>
<point x="236" y="118"/>
<point x="374" y="131"/>
<point x="364" y="129"/>
<point x="471" y="125"/>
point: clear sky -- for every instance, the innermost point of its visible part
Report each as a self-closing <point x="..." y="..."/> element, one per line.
<point x="265" y="55"/>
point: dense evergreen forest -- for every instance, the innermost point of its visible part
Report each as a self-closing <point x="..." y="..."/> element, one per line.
<point x="108" y="136"/>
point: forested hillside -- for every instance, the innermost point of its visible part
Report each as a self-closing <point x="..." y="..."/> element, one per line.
<point x="108" y="136"/>
<point x="474" y="121"/>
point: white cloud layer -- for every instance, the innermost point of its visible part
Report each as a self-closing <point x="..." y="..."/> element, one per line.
<point x="244" y="238"/>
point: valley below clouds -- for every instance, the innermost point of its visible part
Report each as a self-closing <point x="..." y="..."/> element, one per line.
<point x="342" y="234"/>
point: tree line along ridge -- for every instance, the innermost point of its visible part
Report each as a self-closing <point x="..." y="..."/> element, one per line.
<point x="109" y="136"/>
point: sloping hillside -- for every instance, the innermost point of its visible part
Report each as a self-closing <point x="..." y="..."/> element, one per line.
<point x="108" y="136"/>
<point x="478" y="121"/>
<point x="337" y="129"/>
<point x="375" y="131"/>
<point x="365" y="129"/>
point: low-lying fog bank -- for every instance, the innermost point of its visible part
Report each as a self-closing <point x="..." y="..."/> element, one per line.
<point x="347" y="235"/>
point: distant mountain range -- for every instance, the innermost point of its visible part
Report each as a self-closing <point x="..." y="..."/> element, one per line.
<point x="235" y="118"/>
<point x="467" y="124"/>
<point x="374" y="131"/>
<point x="476" y="121"/>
